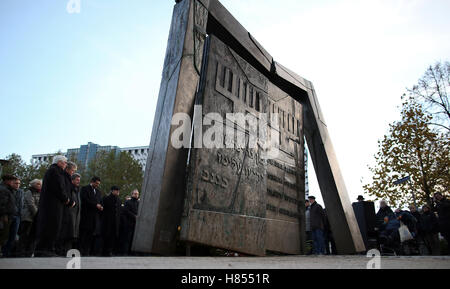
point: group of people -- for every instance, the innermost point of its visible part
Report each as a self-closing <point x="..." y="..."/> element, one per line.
<point x="424" y="226"/>
<point x="55" y="215"/>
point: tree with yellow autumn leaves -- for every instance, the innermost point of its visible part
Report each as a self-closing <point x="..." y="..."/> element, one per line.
<point x="416" y="148"/>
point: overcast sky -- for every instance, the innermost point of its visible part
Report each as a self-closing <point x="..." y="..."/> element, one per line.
<point x="69" y="78"/>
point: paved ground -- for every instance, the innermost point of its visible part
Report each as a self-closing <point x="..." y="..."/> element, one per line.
<point x="291" y="262"/>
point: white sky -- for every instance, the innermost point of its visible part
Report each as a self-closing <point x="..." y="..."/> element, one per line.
<point x="103" y="66"/>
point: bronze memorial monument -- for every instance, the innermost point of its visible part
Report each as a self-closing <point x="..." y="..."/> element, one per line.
<point x="226" y="196"/>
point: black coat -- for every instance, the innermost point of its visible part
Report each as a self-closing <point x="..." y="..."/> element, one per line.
<point x="317" y="217"/>
<point x="443" y="210"/>
<point x="408" y="219"/>
<point x="51" y="205"/>
<point x="418" y="217"/>
<point x="130" y="210"/>
<point x="429" y="223"/>
<point x="90" y="214"/>
<point x="7" y="202"/>
<point x="383" y="212"/>
<point x="111" y="216"/>
<point x="71" y="219"/>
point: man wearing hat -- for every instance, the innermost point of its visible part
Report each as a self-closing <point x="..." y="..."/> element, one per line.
<point x="360" y="198"/>
<point x="317" y="221"/>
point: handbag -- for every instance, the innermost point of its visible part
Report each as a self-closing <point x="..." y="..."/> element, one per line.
<point x="404" y="232"/>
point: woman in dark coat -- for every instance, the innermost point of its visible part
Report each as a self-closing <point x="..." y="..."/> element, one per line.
<point x="111" y="220"/>
<point x="51" y="207"/>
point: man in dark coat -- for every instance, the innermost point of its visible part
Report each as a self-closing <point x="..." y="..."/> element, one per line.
<point x="418" y="216"/>
<point x="111" y="220"/>
<point x="7" y="206"/>
<point x="384" y="211"/>
<point x="51" y="208"/>
<point x="317" y="216"/>
<point x="129" y="215"/>
<point x="14" y="219"/>
<point x="70" y="216"/>
<point x="76" y="212"/>
<point x="443" y="209"/>
<point x="429" y="230"/>
<point x="90" y="223"/>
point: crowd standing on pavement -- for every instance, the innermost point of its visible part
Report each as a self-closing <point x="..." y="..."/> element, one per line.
<point x="56" y="214"/>
<point x="427" y="227"/>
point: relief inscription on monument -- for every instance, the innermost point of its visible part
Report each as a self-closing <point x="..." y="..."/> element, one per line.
<point x="236" y="198"/>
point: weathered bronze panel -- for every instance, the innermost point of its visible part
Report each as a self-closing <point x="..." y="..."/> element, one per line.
<point x="163" y="189"/>
<point x="236" y="199"/>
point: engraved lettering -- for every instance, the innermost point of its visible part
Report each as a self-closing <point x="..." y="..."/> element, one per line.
<point x="280" y="181"/>
<point x="281" y="166"/>
<point x="205" y="175"/>
<point x="224" y="183"/>
<point x="288" y="213"/>
<point x="215" y="179"/>
<point x="282" y="196"/>
<point x="271" y="208"/>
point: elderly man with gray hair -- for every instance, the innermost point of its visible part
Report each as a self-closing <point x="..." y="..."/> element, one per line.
<point x="71" y="216"/>
<point x="384" y="211"/>
<point x="51" y="207"/>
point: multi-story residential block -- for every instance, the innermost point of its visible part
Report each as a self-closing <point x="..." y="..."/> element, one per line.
<point x="85" y="153"/>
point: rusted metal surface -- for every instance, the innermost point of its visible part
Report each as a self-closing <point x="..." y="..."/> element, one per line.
<point x="221" y="204"/>
<point x="236" y="199"/>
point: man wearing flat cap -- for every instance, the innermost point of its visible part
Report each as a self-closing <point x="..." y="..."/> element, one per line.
<point x="317" y="220"/>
